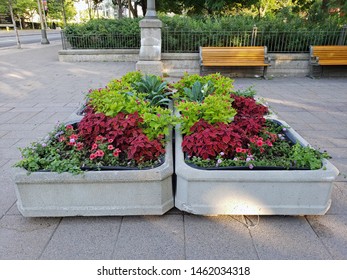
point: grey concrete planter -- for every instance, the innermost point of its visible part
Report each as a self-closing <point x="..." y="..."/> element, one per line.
<point x="97" y="193"/>
<point x="253" y="192"/>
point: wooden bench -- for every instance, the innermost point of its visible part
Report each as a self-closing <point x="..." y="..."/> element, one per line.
<point x="327" y="56"/>
<point x="235" y="56"/>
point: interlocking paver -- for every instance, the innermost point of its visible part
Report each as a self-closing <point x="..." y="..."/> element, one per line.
<point x="83" y="238"/>
<point x="151" y="237"/>
<point x="223" y="237"/>
<point x="287" y="238"/>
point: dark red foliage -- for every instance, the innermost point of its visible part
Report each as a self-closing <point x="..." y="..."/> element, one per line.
<point x="248" y="107"/>
<point x="250" y="115"/>
<point x="123" y="132"/>
<point x="207" y="140"/>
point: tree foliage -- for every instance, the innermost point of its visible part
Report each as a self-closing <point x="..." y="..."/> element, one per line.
<point x="258" y="8"/>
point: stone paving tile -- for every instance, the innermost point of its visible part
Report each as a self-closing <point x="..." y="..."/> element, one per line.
<point x="40" y="118"/>
<point x="7" y="191"/>
<point x="287" y="238"/>
<point x="332" y="231"/>
<point x="221" y="237"/>
<point x="22" y="117"/>
<point x="7" y="116"/>
<point x="17" y="126"/>
<point x="339" y="199"/>
<point x="24" y="238"/>
<point x="83" y="238"/>
<point x="7" y="195"/>
<point x="9" y="153"/>
<point x="7" y="143"/>
<point x="151" y="238"/>
<point x="13" y="210"/>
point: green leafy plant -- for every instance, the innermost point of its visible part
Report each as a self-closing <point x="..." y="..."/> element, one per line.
<point x="111" y="102"/>
<point x="229" y="130"/>
<point x="153" y="89"/>
<point x="214" y="109"/>
<point x="61" y="151"/>
<point x="198" y="91"/>
<point x="121" y="127"/>
<point x="212" y="83"/>
<point x="307" y="157"/>
<point x="126" y="82"/>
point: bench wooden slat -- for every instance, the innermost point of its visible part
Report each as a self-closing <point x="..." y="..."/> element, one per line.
<point x="234" y="56"/>
<point x="333" y="62"/>
<point x="328" y="56"/>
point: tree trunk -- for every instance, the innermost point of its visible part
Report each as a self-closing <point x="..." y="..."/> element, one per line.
<point x="14" y="23"/>
<point x="144" y="6"/>
<point x="120" y="8"/>
<point x="132" y="9"/>
<point x="64" y="13"/>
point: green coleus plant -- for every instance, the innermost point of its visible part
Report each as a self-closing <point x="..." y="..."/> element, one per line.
<point x="213" y="109"/>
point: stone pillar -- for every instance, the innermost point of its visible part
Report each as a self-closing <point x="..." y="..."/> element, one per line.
<point x="150" y="51"/>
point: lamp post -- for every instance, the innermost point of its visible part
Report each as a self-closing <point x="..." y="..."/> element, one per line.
<point x="151" y="12"/>
<point x="44" y="39"/>
<point x="150" y="50"/>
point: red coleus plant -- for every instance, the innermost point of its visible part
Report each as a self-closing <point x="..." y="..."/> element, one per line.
<point x="208" y="141"/>
<point x="250" y="115"/>
<point x="121" y="133"/>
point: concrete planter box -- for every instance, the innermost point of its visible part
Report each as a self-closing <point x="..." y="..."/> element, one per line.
<point x="253" y="192"/>
<point x="97" y="193"/>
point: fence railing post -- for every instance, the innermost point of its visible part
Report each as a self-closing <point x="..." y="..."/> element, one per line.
<point x="254" y="35"/>
<point x="63" y="41"/>
<point x="343" y="35"/>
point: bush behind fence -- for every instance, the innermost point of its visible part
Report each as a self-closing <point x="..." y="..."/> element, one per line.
<point x="190" y="41"/>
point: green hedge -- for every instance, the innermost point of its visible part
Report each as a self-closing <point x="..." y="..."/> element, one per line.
<point x="181" y="34"/>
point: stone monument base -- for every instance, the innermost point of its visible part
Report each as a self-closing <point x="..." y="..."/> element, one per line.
<point x="150" y="67"/>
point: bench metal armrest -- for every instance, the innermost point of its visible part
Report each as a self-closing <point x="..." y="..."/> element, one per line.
<point x="200" y="56"/>
<point x="268" y="60"/>
<point x="314" y="60"/>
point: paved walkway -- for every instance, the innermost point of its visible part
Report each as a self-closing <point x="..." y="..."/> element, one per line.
<point x="36" y="91"/>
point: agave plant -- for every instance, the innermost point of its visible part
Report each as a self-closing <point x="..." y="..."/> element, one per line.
<point x="199" y="91"/>
<point x="154" y="90"/>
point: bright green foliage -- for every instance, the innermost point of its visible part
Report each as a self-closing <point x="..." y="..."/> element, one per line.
<point x="206" y="97"/>
<point x="111" y="102"/>
<point x="126" y="82"/>
<point x="157" y="121"/>
<point x="215" y="108"/>
<point x="307" y="157"/>
<point x="148" y="95"/>
<point x="215" y="83"/>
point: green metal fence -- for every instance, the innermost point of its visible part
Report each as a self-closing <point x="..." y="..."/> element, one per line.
<point x="281" y="42"/>
<point x="96" y="41"/>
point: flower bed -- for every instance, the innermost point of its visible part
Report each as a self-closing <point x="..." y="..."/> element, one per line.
<point x="124" y="125"/>
<point x="231" y="157"/>
<point x="225" y="142"/>
<point x="125" y="129"/>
